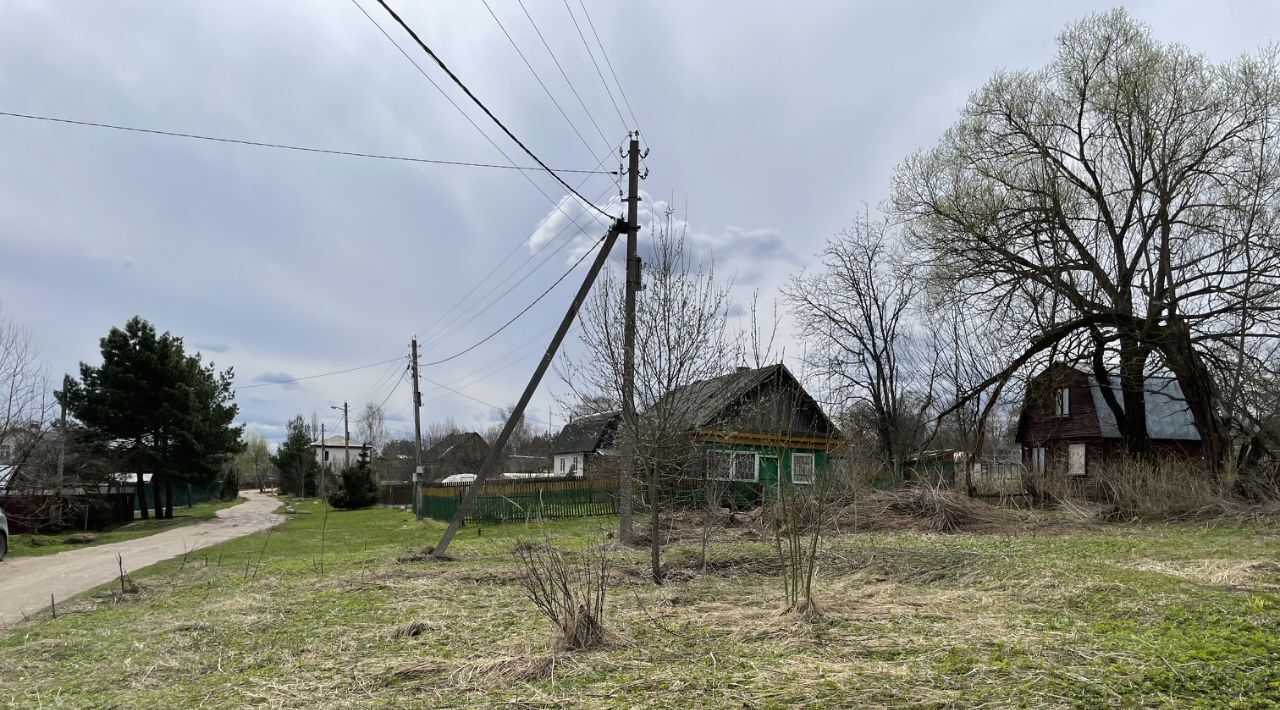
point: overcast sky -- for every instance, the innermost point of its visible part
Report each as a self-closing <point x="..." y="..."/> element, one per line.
<point x="769" y="124"/>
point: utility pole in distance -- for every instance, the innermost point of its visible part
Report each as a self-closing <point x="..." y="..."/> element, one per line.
<point x="324" y="465"/>
<point x="629" y="432"/>
<point x="346" y="435"/>
<point x="62" y="448"/>
<point x="417" y="431"/>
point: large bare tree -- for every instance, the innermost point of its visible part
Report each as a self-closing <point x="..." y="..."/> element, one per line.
<point x="859" y="317"/>
<point x="1122" y="196"/>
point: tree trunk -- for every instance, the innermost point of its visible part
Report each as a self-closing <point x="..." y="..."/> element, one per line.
<point x="1133" y="386"/>
<point x="655" y="542"/>
<point x="155" y="496"/>
<point x="140" y="492"/>
<point x="1199" y="391"/>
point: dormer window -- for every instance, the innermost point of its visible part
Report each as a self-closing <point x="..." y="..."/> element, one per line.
<point x="1062" y="402"/>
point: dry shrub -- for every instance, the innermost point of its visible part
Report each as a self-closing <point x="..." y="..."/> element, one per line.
<point x="569" y="589"/>
<point x="928" y="509"/>
<point x="1164" y="490"/>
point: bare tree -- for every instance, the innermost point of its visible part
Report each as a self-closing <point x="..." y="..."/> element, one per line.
<point x="26" y="398"/>
<point x="681" y="338"/>
<point x="255" y="459"/>
<point x="371" y="427"/>
<point x="858" y="316"/>
<point x="1118" y="202"/>
<point x="437" y="431"/>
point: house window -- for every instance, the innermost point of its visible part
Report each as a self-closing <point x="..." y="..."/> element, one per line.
<point x="563" y="461"/>
<point x="802" y="468"/>
<point x="732" y="466"/>
<point x="326" y="455"/>
<point x="6" y="453"/>
<point x="1062" y="403"/>
<point x="1076" y="460"/>
<point x="1037" y="459"/>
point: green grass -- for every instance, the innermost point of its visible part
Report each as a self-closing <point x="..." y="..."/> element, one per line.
<point x="31" y="545"/>
<point x="1119" y="616"/>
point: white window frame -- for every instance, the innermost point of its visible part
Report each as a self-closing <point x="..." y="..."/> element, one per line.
<point x="813" y="469"/>
<point x="735" y="457"/>
<point x="1062" y="403"/>
<point x="563" y="462"/>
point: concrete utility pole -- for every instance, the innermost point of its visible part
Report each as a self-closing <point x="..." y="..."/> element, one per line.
<point x="495" y="451"/>
<point x="629" y="344"/>
<point x="346" y="435"/>
<point x="324" y="465"/>
<point x="417" y="431"/>
<point x="62" y="449"/>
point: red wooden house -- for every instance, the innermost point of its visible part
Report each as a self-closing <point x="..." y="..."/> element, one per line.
<point x="1067" y="426"/>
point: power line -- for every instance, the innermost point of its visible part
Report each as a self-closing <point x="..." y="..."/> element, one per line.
<point x="479" y="401"/>
<point x="313" y="377"/>
<point x="596" y="64"/>
<point x="455" y="323"/>
<point x="604" y="53"/>
<point x="524" y="310"/>
<point x="507" y="258"/>
<point x="393" y="390"/>
<point x="285" y="146"/>
<point x="536" y="76"/>
<point x="563" y="73"/>
<point x="425" y="75"/>
<point x="484" y="108"/>
<point x="504" y="361"/>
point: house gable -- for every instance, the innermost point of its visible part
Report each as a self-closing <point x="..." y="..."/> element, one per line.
<point x="760" y="407"/>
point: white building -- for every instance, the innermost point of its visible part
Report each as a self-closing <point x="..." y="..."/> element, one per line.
<point x="334" y="454"/>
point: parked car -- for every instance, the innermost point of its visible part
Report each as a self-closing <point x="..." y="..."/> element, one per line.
<point x="4" y="534"/>
<point x="459" y="479"/>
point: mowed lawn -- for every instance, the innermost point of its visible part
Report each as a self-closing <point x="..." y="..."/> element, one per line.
<point x="1103" y="616"/>
<point x="24" y="545"/>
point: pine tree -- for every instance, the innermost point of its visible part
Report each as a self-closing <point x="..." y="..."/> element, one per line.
<point x="165" y="412"/>
<point x="299" y="470"/>
<point x="357" y="489"/>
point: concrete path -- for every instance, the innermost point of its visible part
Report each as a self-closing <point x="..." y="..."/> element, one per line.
<point x="26" y="582"/>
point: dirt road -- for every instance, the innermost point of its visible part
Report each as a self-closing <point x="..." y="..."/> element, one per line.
<point x="26" y="582"/>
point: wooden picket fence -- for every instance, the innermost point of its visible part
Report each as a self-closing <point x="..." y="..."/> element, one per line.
<point x="526" y="500"/>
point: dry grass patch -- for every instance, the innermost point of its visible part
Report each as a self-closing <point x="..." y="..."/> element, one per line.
<point x="1244" y="574"/>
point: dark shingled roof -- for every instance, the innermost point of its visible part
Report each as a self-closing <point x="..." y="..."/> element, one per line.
<point x="586" y="434"/>
<point x="442" y="447"/>
<point x="701" y="403"/>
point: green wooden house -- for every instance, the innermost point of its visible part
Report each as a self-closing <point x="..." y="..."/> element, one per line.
<point x="754" y="428"/>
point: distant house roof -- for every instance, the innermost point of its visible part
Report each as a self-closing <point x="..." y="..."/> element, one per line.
<point x="1168" y="416"/>
<point x="585" y="434"/>
<point x="703" y="403"/>
<point x="337" y="441"/>
<point x="449" y="443"/>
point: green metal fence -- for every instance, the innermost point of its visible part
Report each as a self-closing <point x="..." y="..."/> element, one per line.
<point x="525" y="500"/>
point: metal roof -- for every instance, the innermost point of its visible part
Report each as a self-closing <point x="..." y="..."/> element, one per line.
<point x="1168" y="416"/>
